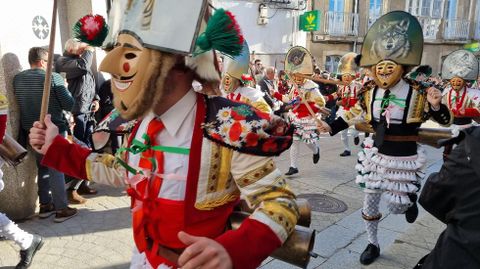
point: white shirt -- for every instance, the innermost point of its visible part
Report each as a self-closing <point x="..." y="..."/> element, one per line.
<point x="400" y="90"/>
<point x="179" y="122"/>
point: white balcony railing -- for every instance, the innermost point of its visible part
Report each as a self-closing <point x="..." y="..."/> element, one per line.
<point x="456" y="29"/>
<point x="341" y="23"/>
<point x="477" y="30"/>
<point x="430" y="26"/>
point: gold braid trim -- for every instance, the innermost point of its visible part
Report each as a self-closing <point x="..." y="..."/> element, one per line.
<point x="280" y="214"/>
<point x="214" y="203"/>
<point x="256" y="174"/>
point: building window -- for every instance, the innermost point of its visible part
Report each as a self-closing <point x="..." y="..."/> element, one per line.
<point x="336" y="5"/>
<point x="429" y="14"/>
<point x="339" y="21"/>
<point x="477" y="21"/>
<point x="375" y="11"/>
<point x="331" y="63"/>
<point x="451" y="9"/>
<point x="426" y="8"/>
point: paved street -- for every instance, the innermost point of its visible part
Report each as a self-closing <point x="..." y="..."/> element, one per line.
<point x="100" y="236"/>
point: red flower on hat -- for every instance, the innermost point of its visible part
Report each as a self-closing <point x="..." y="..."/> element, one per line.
<point x="237" y="116"/>
<point x="247" y="77"/>
<point x="269" y="146"/>
<point x="91" y="25"/>
<point x="216" y="136"/>
<point x="235" y="131"/>
<point x="252" y="139"/>
<point x="263" y="115"/>
<point x="286" y="143"/>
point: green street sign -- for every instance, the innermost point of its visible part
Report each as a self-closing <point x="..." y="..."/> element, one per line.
<point x="310" y="21"/>
<point x="473" y="47"/>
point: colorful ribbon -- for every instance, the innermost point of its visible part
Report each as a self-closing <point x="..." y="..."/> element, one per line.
<point x="139" y="147"/>
<point x="392" y="98"/>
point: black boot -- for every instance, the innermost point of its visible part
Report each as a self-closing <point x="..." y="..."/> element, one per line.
<point x="412" y="212"/>
<point x="356" y="140"/>
<point x="26" y="256"/>
<point x="345" y="153"/>
<point x="316" y="156"/>
<point x="370" y="254"/>
<point x="291" y="171"/>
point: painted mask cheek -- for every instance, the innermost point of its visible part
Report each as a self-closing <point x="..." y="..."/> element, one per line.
<point x="126" y="67"/>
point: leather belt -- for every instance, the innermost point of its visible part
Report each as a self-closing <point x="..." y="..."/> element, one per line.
<point x="171" y="254"/>
<point x="401" y="138"/>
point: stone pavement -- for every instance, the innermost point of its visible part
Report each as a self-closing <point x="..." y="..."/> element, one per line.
<point x="100" y="236"/>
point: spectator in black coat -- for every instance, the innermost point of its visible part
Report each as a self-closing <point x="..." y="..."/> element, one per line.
<point x="453" y="196"/>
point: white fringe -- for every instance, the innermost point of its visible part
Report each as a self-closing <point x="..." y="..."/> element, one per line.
<point x="203" y="64"/>
<point x="397" y="176"/>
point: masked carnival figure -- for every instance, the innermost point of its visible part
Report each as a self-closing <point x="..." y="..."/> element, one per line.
<point x="236" y="79"/>
<point x="459" y="68"/>
<point x="347" y="96"/>
<point x="307" y="103"/>
<point x="395" y="110"/>
<point x="189" y="157"/>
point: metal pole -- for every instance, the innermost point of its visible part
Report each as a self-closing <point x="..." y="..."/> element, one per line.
<point x="48" y="72"/>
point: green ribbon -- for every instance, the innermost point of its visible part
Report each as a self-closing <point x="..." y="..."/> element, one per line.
<point x="392" y="98"/>
<point x="139" y="147"/>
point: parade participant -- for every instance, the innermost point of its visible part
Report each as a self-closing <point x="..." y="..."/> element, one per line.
<point x="190" y="157"/>
<point x="347" y="70"/>
<point x="309" y="102"/>
<point x="235" y="79"/>
<point x="395" y="109"/>
<point x="29" y="244"/>
<point x="460" y="67"/>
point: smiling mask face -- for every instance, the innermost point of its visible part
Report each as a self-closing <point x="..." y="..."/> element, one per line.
<point x="137" y="73"/>
<point x="387" y="74"/>
<point x="229" y="83"/>
<point x="347" y="78"/>
<point x="457" y="83"/>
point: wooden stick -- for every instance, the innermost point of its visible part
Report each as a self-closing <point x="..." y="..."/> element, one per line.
<point x="48" y="72"/>
<point x="321" y="80"/>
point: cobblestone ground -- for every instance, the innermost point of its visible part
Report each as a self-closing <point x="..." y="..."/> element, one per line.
<point x="100" y="236"/>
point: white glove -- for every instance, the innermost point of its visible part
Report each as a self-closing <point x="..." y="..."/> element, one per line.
<point x="2" y="185"/>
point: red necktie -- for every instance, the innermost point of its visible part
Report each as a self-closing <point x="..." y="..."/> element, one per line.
<point x="150" y="156"/>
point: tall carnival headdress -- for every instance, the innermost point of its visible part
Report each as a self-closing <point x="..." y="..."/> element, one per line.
<point x="395" y="36"/>
<point x="238" y="66"/>
<point x="299" y="60"/>
<point x="462" y="64"/>
<point x="170" y="26"/>
<point x="347" y="64"/>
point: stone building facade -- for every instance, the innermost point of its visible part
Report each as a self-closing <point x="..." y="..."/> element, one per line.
<point x="447" y="26"/>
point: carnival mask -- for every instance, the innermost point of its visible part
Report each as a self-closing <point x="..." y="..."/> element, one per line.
<point x="347" y="78"/>
<point x="457" y="83"/>
<point x="135" y="73"/>
<point x="229" y="83"/>
<point x="299" y="79"/>
<point x="387" y="73"/>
